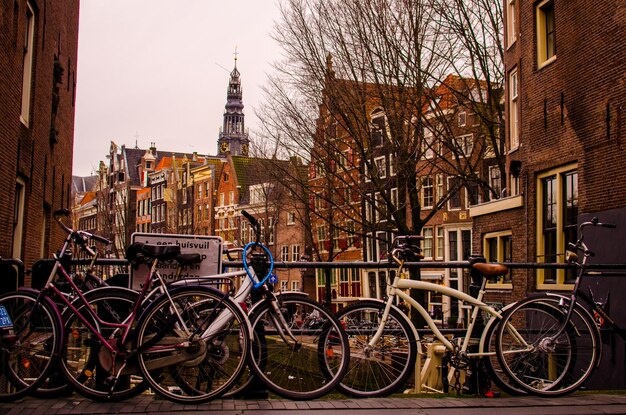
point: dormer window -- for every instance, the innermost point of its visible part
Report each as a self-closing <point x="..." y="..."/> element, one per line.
<point x="148" y="165"/>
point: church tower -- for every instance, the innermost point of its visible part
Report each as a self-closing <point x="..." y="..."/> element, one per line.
<point x="233" y="136"/>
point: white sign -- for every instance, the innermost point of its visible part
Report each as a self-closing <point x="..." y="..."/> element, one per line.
<point x="209" y="248"/>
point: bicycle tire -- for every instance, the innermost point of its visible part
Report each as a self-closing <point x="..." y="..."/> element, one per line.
<point x="541" y="367"/>
<point x="28" y="357"/>
<point x="309" y="368"/>
<point x="85" y="364"/>
<point x="206" y="368"/>
<point x="384" y="369"/>
<point x="496" y="373"/>
<point x="247" y="381"/>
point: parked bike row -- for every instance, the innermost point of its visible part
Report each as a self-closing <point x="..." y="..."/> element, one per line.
<point x="194" y="340"/>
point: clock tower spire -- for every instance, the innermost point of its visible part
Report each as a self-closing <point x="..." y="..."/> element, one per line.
<point x="233" y="135"/>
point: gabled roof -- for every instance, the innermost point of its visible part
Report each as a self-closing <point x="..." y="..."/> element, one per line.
<point x="83" y="184"/>
<point x="132" y="160"/>
<point x="251" y="171"/>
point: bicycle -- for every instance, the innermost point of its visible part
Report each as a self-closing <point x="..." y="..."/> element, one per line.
<point x="556" y="357"/>
<point x="384" y="352"/>
<point x="299" y="349"/>
<point x="282" y="342"/>
<point x="116" y="350"/>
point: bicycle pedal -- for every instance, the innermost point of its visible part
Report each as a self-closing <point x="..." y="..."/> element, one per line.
<point x="109" y="381"/>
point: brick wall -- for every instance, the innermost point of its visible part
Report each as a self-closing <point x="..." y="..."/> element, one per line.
<point x="27" y="152"/>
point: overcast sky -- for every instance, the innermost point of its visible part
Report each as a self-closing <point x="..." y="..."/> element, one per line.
<point x="157" y="71"/>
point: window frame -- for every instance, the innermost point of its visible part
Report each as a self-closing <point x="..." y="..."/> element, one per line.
<point x="431" y="186"/>
<point x="428" y="243"/>
<point x="511" y="23"/>
<point x="542" y="14"/>
<point x="558" y="174"/>
<point x="514" y="109"/>
<point x="28" y="63"/>
<point x="500" y="237"/>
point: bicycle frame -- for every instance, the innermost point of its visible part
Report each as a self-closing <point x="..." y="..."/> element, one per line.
<point x="400" y="284"/>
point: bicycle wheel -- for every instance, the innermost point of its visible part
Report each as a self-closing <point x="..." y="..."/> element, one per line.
<point x="307" y="365"/>
<point x="537" y="360"/>
<point x="29" y="350"/>
<point x="86" y="364"/>
<point x="384" y="368"/>
<point x="181" y="362"/>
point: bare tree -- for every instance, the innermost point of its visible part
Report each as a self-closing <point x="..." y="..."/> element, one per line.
<point x="368" y="93"/>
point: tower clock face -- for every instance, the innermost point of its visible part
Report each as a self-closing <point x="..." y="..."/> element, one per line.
<point x="223" y="147"/>
<point x="244" y="149"/>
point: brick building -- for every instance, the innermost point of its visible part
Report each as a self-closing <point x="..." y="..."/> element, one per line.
<point x="390" y="160"/>
<point x="565" y="97"/>
<point x="39" y="44"/>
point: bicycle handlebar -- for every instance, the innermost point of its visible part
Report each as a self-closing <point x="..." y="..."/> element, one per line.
<point x="79" y="237"/>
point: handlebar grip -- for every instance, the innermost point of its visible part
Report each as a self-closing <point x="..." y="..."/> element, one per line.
<point x="101" y="239"/>
<point x="608" y="225"/>
<point x="62" y="212"/>
<point x="250" y="218"/>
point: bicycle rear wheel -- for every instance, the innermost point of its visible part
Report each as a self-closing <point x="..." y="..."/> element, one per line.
<point x="537" y="360"/>
<point x="30" y="349"/>
<point x="310" y="364"/>
<point x="384" y="368"/>
<point x="181" y="363"/>
<point x="86" y="364"/>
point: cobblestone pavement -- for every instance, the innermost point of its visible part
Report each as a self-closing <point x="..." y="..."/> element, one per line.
<point x="581" y="404"/>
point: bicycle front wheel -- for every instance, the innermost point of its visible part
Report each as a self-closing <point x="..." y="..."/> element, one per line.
<point x="86" y="363"/>
<point x="29" y="350"/>
<point x="194" y="347"/>
<point x="537" y="359"/>
<point x="386" y="366"/>
<point x="303" y="350"/>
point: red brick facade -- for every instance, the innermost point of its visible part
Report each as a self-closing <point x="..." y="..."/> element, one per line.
<point x="36" y="151"/>
<point x="570" y="103"/>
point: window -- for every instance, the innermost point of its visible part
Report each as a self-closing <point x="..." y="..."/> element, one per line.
<point x="295" y="285"/>
<point x="439" y="194"/>
<point x="513" y="110"/>
<point x="378" y="128"/>
<point x="440" y="242"/>
<point x="462" y="118"/>
<point x="232" y="197"/>
<point x="497" y="247"/>
<point x="546" y="33"/>
<point x="392" y="167"/>
<point x="394" y="198"/>
<point x="321" y="237"/>
<point x="381" y="167"/>
<point x="427" y="192"/>
<point x="427" y="243"/>
<point x="283" y="285"/>
<point x="284" y="253"/>
<point x="380" y="212"/>
<point x="381" y="245"/>
<point x="454" y="188"/>
<point x="27" y="64"/>
<point x="291" y="218"/>
<point x="472" y="195"/>
<point x="295" y="253"/>
<point x="429" y="149"/>
<point x="557" y="213"/>
<point x="465" y="144"/>
<point x="19" y="214"/>
<point x="495" y="182"/>
<point x="511" y="30"/>
<point x="350" y="232"/>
